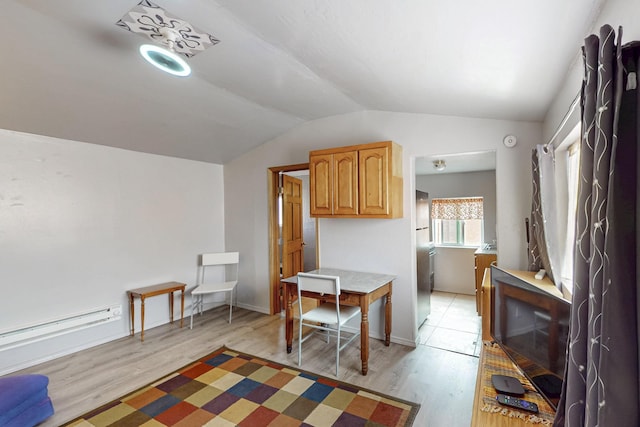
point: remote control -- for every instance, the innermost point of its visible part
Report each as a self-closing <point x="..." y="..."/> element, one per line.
<point x="517" y="403"/>
<point x="540" y="274"/>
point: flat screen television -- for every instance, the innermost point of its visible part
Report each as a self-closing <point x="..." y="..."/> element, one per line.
<point x="530" y="323"/>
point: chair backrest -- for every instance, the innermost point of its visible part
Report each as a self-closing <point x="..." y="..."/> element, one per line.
<point x="219" y="259"/>
<point x="319" y="283"/>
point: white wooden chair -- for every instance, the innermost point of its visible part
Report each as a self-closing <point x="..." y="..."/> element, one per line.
<point x="328" y="316"/>
<point x="224" y="261"/>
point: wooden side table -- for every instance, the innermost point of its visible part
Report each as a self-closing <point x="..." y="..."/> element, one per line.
<point x="486" y="411"/>
<point x="150" y="291"/>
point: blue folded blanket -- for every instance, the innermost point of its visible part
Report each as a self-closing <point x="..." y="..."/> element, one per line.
<point x="24" y="400"/>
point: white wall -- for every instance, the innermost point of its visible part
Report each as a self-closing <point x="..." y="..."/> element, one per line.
<point x="385" y="246"/>
<point x="81" y="223"/>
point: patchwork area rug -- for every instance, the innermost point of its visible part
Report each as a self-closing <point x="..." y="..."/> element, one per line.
<point x="229" y="388"/>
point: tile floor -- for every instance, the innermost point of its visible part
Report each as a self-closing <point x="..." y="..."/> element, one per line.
<point x="453" y="324"/>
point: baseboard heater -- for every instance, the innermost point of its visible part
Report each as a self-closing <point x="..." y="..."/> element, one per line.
<point x="53" y="328"/>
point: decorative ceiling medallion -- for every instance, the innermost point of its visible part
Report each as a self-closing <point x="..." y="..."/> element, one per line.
<point x="152" y="21"/>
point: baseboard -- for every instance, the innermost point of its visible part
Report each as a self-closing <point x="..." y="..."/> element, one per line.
<point x="254" y="308"/>
<point x="66" y="352"/>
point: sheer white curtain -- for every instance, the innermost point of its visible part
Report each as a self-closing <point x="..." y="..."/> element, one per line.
<point x="573" y="162"/>
<point x="544" y="250"/>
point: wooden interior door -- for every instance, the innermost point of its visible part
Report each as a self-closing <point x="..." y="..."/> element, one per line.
<point x="292" y="241"/>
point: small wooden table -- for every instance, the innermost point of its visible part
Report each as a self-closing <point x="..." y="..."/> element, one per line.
<point x="357" y="289"/>
<point x="150" y="291"/>
<point x="493" y="360"/>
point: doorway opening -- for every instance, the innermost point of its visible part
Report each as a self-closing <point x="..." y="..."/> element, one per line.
<point x="292" y="232"/>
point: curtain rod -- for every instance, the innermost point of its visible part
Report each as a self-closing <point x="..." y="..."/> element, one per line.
<point x="564" y="121"/>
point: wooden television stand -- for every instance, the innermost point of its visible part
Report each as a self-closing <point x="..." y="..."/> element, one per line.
<point x="493" y="360"/>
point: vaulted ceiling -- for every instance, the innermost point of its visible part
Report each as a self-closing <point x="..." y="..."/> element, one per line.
<point x="69" y="72"/>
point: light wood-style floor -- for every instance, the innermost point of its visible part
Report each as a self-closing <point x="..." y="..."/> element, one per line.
<point x="441" y="381"/>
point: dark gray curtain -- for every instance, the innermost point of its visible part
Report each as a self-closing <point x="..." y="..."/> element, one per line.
<point x="601" y="386"/>
<point x="543" y="249"/>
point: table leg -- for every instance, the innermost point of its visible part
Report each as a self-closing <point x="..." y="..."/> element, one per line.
<point x="387" y="319"/>
<point x="181" y="308"/>
<point x="170" y="307"/>
<point x="288" y="316"/>
<point x="142" y="318"/>
<point x="131" y="307"/>
<point x="364" y="334"/>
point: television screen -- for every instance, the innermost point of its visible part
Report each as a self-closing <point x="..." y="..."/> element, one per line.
<point x="530" y="321"/>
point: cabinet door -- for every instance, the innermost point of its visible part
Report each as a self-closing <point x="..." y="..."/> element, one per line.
<point x="320" y="184"/>
<point x="374" y="181"/>
<point x="483" y="261"/>
<point x="345" y="183"/>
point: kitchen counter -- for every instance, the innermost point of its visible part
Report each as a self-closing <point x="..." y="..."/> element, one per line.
<point x="485" y="251"/>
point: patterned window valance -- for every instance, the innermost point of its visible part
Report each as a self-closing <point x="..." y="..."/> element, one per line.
<point x="457" y="209"/>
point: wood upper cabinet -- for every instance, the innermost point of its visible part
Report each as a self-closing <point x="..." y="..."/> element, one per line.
<point x="374" y="181"/>
<point x="321" y="179"/>
<point x="363" y="181"/>
<point x="345" y="183"/>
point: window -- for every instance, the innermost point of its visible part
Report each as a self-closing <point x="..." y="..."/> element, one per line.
<point x="458" y="221"/>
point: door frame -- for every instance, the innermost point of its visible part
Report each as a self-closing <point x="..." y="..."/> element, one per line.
<point x="273" y="179"/>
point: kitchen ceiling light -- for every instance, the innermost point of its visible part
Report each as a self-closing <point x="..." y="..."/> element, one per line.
<point x="439" y="165"/>
<point x="165" y="60"/>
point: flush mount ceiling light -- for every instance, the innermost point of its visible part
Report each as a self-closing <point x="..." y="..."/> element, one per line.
<point x="439" y="165"/>
<point x="166" y="59"/>
<point x="176" y="36"/>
